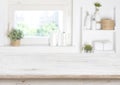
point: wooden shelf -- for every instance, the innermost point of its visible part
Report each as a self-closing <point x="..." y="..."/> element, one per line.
<point x="99" y="30"/>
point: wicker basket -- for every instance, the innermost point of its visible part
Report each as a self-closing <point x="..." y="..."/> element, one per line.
<point x="107" y="24"/>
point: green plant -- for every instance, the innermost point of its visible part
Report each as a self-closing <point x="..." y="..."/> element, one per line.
<point x="88" y="48"/>
<point x="15" y="34"/>
<point x="97" y="4"/>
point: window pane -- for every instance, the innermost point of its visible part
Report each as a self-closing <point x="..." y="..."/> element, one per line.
<point x="38" y="23"/>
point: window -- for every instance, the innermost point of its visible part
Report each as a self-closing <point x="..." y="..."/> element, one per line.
<point x="38" y="19"/>
<point x="38" y="23"/>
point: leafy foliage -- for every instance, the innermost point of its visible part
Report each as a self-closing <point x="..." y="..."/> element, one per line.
<point x="15" y="34"/>
<point x="43" y="30"/>
<point x="46" y="29"/>
<point x="97" y="4"/>
<point x="88" y="48"/>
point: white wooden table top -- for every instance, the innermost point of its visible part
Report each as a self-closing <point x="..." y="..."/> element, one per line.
<point x="59" y="66"/>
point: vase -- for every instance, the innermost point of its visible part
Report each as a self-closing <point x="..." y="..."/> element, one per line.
<point x="53" y="40"/>
<point x="96" y="25"/>
<point x="87" y="21"/>
<point x="98" y="19"/>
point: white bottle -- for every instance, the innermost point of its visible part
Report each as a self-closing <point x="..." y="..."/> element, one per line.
<point x="93" y="23"/>
<point x="60" y="38"/>
<point x="68" y="39"/>
<point x="87" y="21"/>
<point x="64" y="39"/>
<point x="53" y="39"/>
<point x="97" y="19"/>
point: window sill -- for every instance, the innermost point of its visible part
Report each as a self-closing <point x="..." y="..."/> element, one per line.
<point x="37" y="49"/>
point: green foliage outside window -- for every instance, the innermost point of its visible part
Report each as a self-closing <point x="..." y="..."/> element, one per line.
<point x="43" y="30"/>
<point x="46" y="29"/>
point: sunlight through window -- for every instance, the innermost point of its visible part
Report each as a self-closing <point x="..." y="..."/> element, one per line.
<point x="38" y="23"/>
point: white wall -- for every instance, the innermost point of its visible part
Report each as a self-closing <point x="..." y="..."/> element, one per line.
<point x="3" y="21"/>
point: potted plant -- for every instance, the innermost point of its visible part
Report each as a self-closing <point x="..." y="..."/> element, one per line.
<point x="96" y="17"/>
<point x="87" y="48"/>
<point x="97" y="5"/>
<point x="15" y="36"/>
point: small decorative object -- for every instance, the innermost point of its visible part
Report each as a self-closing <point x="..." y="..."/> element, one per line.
<point x="54" y="38"/>
<point x="58" y="38"/>
<point x="88" y="48"/>
<point x="87" y="21"/>
<point x="97" y="5"/>
<point x="68" y="39"/>
<point x="96" y="17"/>
<point x="64" y="38"/>
<point x="107" y="24"/>
<point x="99" y="45"/>
<point x="15" y="36"/>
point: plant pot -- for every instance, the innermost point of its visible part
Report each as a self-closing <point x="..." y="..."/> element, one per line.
<point x="15" y="43"/>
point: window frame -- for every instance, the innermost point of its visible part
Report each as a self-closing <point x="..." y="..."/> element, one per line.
<point x="74" y="48"/>
<point x="67" y="16"/>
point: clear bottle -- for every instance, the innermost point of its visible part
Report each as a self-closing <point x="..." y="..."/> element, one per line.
<point x="98" y="19"/>
<point x="87" y="21"/>
<point x="93" y="23"/>
<point x="64" y="38"/>
<point x="53" y="40"/>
